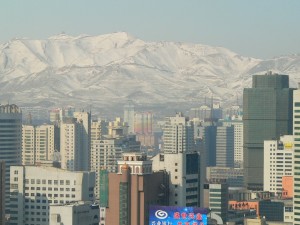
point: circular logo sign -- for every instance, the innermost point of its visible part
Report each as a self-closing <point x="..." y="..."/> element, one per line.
<point x="160" y="214"/>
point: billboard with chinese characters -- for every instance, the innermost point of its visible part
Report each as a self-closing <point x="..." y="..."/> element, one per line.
<point x="173" y="215"/>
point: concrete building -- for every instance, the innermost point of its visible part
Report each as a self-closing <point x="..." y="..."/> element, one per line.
<point x="216" y="198"/>
<point x="34" y="188"/>
<point x="98" y="129"/>
<point x="143" y="123"/>
<point x="38" y="143"/>
<point x="118" y="128"/>
<point x="133" y="189"/>
<point x="143" y="128"/>
<point x="78" y="213"/>
<point x="237" y="122"/>
<point x="225" y="146"/>
<point x="10" y="141"/>
<point x="296" y="133"/>
<point x="75" y="142"/>
<point x="267" y="115"/>
<point x="105" y="154"/>
<point x="2" y="192"/>
<point x="185" y="180"/>
<point x="234" y="176"/>
<point x="278" y="162"/>
<point x="178" y="134"/>
<point x="106" y="151"/>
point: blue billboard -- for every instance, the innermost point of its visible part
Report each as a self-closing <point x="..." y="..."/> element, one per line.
<point x="173" y="215"/>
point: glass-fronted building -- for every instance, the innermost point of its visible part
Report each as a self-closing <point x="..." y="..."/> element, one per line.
<point x="267" y="115"/>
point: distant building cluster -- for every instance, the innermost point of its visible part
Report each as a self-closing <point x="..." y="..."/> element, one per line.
<point x="237" y="165"/>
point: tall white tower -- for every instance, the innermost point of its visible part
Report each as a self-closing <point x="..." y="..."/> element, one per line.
<point x="38" y="143"/>
<point x="10" y="140"/>
<point x="178" y="134"/>
<point x="278" y="162"/>
<point x="75" y="142"/>
<point x="296" y="133"/>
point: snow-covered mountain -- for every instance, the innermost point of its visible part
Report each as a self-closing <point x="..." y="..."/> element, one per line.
<point x="108" y="70"/>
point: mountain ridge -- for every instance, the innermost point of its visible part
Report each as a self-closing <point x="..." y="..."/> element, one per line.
<point x="107" y="70"/>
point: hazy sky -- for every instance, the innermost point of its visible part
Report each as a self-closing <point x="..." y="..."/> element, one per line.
<point x="257" y="28"/>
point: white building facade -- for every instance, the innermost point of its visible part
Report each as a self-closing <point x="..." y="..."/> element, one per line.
<point x="78" y="213"/>
<point x="75" y="142"/>
<point x="178" y="134"/>
<point x="278" y="162"/>
<point x="184" y="183"/>
<point x="104" y="154"/>
<point x="34" y="188"/>
<point x="296" y="133"/>
<point x="37" y="143"/>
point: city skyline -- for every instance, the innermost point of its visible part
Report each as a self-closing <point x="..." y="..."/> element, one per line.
<point x="256" y="29"/>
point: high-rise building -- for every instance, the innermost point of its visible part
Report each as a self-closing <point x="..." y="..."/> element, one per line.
<point x="106" y="152"/>
<point x="237" y="122"/>
<point x="10" y="141"/>
<point x="98" y="129"/>
<point x="217" y="194"/>
<point x="178" y="134"/>
<point x="296" y="133"/>
<point x="133" y="189"/>
<point x="118" y="128"/>
<point x="278" y="162"/>
<point x="209" y="145"/>
<point x="34" y="188"/>
<point x="225" y="146"/>
<point x="143" y="128"/>
<point x="143" y="123"/>
<point x="185" y="179"/>
<point x="75" y="142"/>
<point x="129" y="116"/>
<point x="267" y="115"/>
<point x="2" y="193"/>
<point x="38" y="143"/>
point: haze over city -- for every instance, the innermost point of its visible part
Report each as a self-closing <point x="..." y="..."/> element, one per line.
<point x="149" y="112"/>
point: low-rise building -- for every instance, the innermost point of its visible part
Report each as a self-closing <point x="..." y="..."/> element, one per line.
<point x="77" y="213"/>
<point x="34" y="188"/>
